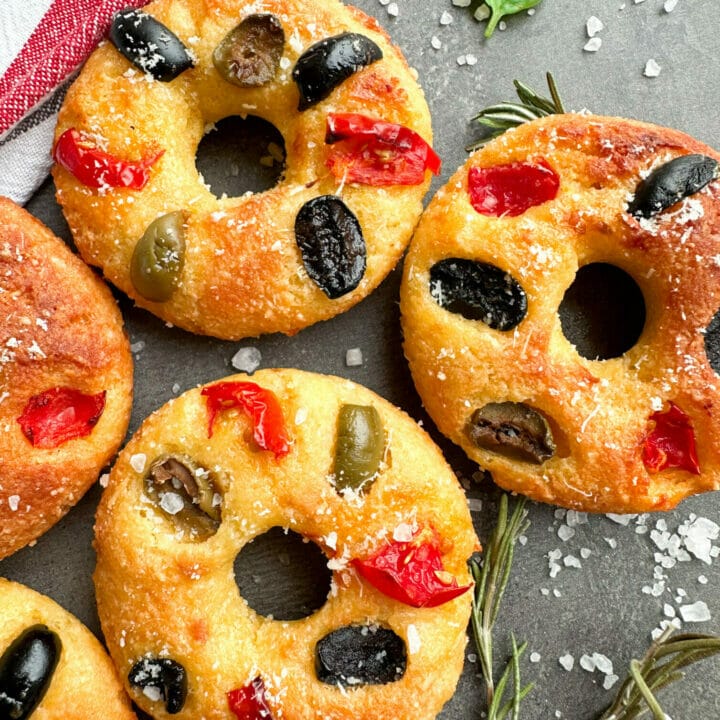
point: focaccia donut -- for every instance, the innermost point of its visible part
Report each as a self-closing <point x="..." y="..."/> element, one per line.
<point x="354" y="122"/>
<point x="65" y="378"/>
<point x="51" y="665"/>
<point x="327" y="459"/>
<point x="489" y="267"/>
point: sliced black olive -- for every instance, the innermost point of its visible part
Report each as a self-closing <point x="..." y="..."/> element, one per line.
<point x="328" y="63"/>
<point x="167" y="677"/>
<point x="26" y="670"/>
<point x="158" y="258"/>
<point x="249" y="55"/>
<point x="712" y="342"/>
<point x="149" y="45"/>
<point x="512" y="429"/>
<point x="478" y="291"/>
<point x="360" y="447"/>
<point x="331" y="244"/>
<point x="671" y="182"/>
<point x="187" y="494"/>
<point x="360" y="655"/>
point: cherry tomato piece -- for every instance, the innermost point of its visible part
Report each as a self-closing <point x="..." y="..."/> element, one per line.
<point x="412" y="572"/>
<point x="259" y="404"/>
<point x="375" y="152"/>
<point x="511" y="189"/>
<point x="671" y="443"/>
<point x="96" y="168"/>
<point x="60" y="414"/>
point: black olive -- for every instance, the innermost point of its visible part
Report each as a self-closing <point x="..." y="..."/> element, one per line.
<point x="671" y="182"/>
<point x="250" y="53"/>
<point x="512" y="429"/>
<point x="360" y="655"/>
<point x="712" y="342"/>
<point x="478" y="291"/>
<point x="166" y="676"/>
<point x="149" y="45"/>
<point x="26" y="669"/>
<point x="331" y="244"/>
<point x="328" y="63"/>
<point x="186" y="493"/>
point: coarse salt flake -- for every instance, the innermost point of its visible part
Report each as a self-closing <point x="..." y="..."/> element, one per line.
<point x="652" y="69"/>
<point x="482" y="13"/>
<point x="14" y="502"/>
<point x="697" y="612"/>
<point x="446" y="18"/>
<point x="670" y="5"/>
<point x="393" y="10"/>
<point x="137" y="462"/>
<point x="403" y="533"/>
<point x="436" y="42"/>
<point x="171" y="503"/>
<point x="567" y="661"/>
<point x="413" y="639"/>
<point x="301" y="415"/>
<point x="593" y="44"/>
<point x="247" y="359"/>
<point x="593" y="26"/>
<point x="354" y="357"/>
<point x="535" y="657"/>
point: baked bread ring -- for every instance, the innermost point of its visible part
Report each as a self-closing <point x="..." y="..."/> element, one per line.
<point x="331" y="461"/>
<point x="51" y="666"/>
<point x="276" y="261"/>
<point x="65" y="378"/>
<point x="490" y="264"/>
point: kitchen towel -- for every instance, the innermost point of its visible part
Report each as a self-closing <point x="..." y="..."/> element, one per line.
<point x="42" y="44"/>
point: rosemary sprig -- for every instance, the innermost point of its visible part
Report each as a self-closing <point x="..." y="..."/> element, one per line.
<point x="491" y="578"/>
<point x="503" y="116"/>
<point x="660" y="667"/>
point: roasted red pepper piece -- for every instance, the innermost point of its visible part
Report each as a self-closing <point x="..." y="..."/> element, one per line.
<point x="375" y="152"/>
<point x="511" y="189"/>
<point x="412" y="572"/>
<point x="248" y="703"/>
<point x="261" y="406"/>
<point x="96" y="168"/>
<point x="671" y="443"/>
<point x="60" y="414"/>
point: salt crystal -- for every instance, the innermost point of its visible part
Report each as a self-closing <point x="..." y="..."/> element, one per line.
<point x="609" y="681"/>
<point x="137" y="347"/>
<point x="461" y="3"/>
<point x="585" y="553"/>
<point x="587" y="663"/>
<point x="556" y="593"/>
<point x="668" y="610"/>
<point x="462" y="60"/>
<point x="152" y="693"/>
<point x="137" y="462"/>
<point x="522" y="539"/>
<point x="482" y="13"/>
<point x="471" y="59"/>
<point x="446" y="18"/>
<point x="502" y="25"/>
<point x="472" y="658"/>
<point x="171" y="503"/>
<point x="545" y="591"/>
<point x="697" y="612"/>
<point x="13" y="502"/>
<point x="393" y="10"/>
<point x="475" y="504"/>
<point x="572" y="561"/>
<point x="301" y="415"/>
<point x="702" y="580"/>
<point x="354" y="357"/>
<point x="670" y="5"/>
<point x="652" y="69"/>
<point x="560" y="513"/>
<point x="535" y="657"/>
<point x="403" y="533"/>
<point x="567" y="661"/>
<point x="565" y="533"/>
<point x="594" y="25"/>
<point x="413" y="639"/>
<point x="621" y="519"/>
<point x="176" y="388"/>
<point x="331" y="540"/>
<point x="612" y="542"/>
<point x="247" y="359"/>
<point x="603" y="663"/>
<point x="593" y="44"/>
<point x="575" y="518"/>
<point x="436" y="42"/>
<point x="104" y="480"/>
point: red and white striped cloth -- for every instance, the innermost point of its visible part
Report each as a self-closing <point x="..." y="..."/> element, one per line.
<point x="42" y="43"/>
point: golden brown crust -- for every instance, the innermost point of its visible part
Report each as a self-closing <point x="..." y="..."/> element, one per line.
<point x="157" y="592"/>
<point x="84" y="685"/>
<point x="599" y="410"/>
<point x="243" y="273"/>
<point x="59" y="327"/>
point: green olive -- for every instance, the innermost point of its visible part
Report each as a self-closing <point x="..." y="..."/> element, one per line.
<point x="249" y="55"/>
<point x="360" y="447"/>
<point x="158" y="258"/>
<point x="187" y="494"/>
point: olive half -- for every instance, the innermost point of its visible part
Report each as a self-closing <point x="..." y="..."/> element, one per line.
<point x="167" y="677"/>
<point x="360" y="447"/>
<point x="26" y="670"/>
<point x="187" y="494"/>
<point x="158" y="258"/>
<point x="249" y="55"/>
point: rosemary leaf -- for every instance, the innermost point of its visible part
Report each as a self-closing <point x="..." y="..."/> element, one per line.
<point x="503" y="116"/>
<point x="491" y="578"/>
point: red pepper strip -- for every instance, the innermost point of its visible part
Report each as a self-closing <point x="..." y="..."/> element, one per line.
<point x="60" y="414"/>
<point x="511" y="189"/>
<point x="412" y="572"/>
<point x="671" y="443"/>
<point x="375" y="152"/>
<point x="96" y="168"/>
<point x="260" y="405"/>
<point x="248" y="703"/>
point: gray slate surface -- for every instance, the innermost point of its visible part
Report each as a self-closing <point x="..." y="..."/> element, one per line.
<point x="601" y="607"/>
